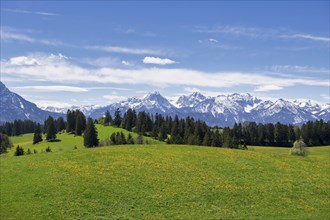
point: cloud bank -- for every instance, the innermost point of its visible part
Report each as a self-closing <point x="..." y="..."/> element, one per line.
<point x="55" y="68"/>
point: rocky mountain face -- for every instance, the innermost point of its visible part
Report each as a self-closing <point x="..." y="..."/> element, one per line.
<point x="14" y="107"/>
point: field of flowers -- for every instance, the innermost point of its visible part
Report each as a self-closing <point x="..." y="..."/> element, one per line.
<point x="165" y="182"/>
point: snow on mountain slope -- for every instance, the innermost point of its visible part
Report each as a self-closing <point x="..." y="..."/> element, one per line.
<point x="189" y="101"/>
<point x="14" y="107"/>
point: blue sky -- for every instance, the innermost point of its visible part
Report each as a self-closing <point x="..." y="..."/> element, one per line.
<point x="80" y="53"/>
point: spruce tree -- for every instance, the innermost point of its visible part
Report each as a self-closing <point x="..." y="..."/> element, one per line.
<point x="207" y="141"/>
<point x="107" y="119"/>
<point x="60" y="124"/>
<point x="78" y="125"/>
<point x="130" y="139"/>
<point x="70" y="121"/>
<point x="117" y="120"/>
<point x="37" y="137"/>
<point x="4" y="143"/>
<point x="50" y="130"/>
<point x="90" y="134"/>
<point x="216" y="140"/>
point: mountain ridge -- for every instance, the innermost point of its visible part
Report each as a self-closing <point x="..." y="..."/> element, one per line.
<point x="220" y="110"/>
<point x="14" y="107"/>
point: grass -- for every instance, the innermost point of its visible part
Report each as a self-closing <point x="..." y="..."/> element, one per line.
<point x="165" y="182"/>
<point x="69" y="142"/>
<point x="105" y="132"/>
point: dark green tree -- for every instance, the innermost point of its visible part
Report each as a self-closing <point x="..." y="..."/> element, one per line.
<point x="216" y="140"/>
<point x="79" y="125"/>
<point x="207" y="141"/>
<point x="5" y="143"/>
<point x="37" y="136"/>
<point x="117" y="119"/>
<point x="107" y="119"/>
<point x="90" y="135"/>
<point x="60" y="124"/>
<point x="70" y="121"/>
<point x="130" y="139"/>
<point x="51" y="129"/>
<point x="19" y="151"/>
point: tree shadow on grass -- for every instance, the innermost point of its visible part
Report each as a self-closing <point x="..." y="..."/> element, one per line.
<point x="55" y="140"/>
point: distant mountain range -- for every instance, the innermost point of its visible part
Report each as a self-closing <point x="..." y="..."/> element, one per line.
<point x="222" y="110"/>
<point x="13" y="106"/>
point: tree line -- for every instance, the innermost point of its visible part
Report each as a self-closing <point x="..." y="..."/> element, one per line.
<point x="192" y="132"/>
<point x="173" y="130"/>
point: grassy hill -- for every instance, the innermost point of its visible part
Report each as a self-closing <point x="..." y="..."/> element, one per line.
<point x="70" y="141"/>
<point x="163" y="182"/>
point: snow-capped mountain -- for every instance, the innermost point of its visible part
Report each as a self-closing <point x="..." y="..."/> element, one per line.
<point x="152" y="103"/>
<point x="86" y="109"/>
<point x="224" y="110"/>
<point x="190" y="100"/>
<point x="13" y="106"/>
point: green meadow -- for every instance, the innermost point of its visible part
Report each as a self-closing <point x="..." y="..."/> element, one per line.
<point x="160" y="181"/>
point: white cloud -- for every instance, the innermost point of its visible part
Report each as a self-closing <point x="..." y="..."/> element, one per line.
<point x="100" y="62"/>
<point x="56" y="69"/>
<point x="307" y="37"/>
<point x="189" y="90"/>
<point x="30" y="12"/>
<point x="158" y="61"/>
<point x="23" y="60"/>
<point x="255" y="32"/>
<point x="46" y="103"/>
<point x="296" y="68"/>
<point x="9" y="34"/>
<point x="265" y="88"/>
<point x="251" y="32"/>
<point x="213" y="40"/>
<point x="53" y="88"/>
<point x="126" y="63"/>
<point x="126" y="50"/>
<point x="326" y="97"/>
<point x="114" y="98"/>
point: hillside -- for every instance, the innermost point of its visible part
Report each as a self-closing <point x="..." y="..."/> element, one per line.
<point x="165" y="182"/>
<point x="69" y="142"/>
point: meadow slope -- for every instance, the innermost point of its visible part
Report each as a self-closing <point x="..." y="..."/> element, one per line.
<point x="165" y="182"/>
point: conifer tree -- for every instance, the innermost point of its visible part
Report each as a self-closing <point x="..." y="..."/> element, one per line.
<point x="216" y="140"/>
<point x="50" y="130"/>
<point x="107" y="119"/>
<point x="90" y="134"/>
<point x="70" y="121"/>
<point x="78" y="125"/>
<point x="117" y="120"/>
<point x="130" y="139"/>
<point x="37" y="137"/>
<point x="60" y="124"/>
<point x="207" y="141"/>
<point x="4" y="143"/>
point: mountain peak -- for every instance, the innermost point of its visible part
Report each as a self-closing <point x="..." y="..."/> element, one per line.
<point x="153" y="95"/>
<point x="14" y="107"/>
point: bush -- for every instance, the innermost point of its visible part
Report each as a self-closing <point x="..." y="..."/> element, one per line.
<point x="299" y="148"/>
